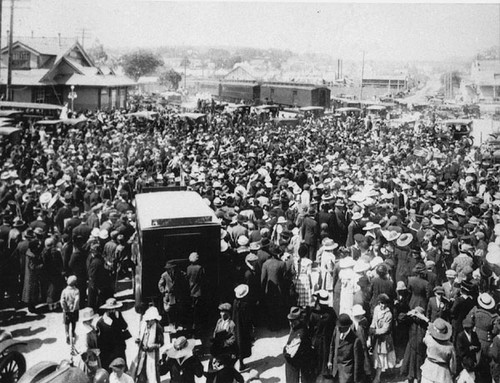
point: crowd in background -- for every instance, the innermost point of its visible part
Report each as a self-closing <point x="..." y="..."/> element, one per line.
<point x="376" y="245"/>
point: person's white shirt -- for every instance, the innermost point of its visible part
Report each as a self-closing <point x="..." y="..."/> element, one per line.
<point x="113" y="378"/>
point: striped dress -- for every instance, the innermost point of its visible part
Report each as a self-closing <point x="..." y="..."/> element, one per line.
<point x="303" y="267"/>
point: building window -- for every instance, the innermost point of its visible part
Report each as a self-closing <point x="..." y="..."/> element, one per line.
<point x="21" y="60"/>
<point x="40" y="94"/>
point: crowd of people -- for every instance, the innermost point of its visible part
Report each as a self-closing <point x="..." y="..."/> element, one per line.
<point x="377" y="246"/>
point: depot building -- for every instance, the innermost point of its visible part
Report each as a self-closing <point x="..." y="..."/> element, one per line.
<point x="46" y="71"/>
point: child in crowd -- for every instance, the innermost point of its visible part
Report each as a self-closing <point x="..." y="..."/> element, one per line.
<point x="70" y="303"/>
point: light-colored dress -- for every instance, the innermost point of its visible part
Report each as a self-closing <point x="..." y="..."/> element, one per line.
<point x="347" y="279"/>
<point x="384" y="356"/>
<point x="326" y="266"/>
<point x="303" y="281"/>
<point x="440" y="363"/>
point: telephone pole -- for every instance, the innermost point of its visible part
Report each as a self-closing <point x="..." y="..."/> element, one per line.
<point x="362" y="75"/>
<point x="9" y="68"/>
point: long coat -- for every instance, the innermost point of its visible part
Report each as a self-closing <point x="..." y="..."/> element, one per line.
<point x="346" y="356"/>
<point x="321" y="325"/>
<point x="273" y="280"/>
<point x="31" y="286"/>
<point x="420" y="292"/>
<point x="415" y="349"/>
<point x="242" y="318"/>
<point x="143" y="355"/>
<point x="111" y="339"/>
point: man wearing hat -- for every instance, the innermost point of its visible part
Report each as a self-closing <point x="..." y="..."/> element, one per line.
<point x="451" y="290"/>
<point x="310" y="233"/>
<point x="298" y="350"/>
<point x="149" y="342"/>
<point x="468" y="346"/>
<point x="346" y="353"/>
<point x="438" y="306"/>
<point x="321" y="321"/>
<point x="461" y="307"/>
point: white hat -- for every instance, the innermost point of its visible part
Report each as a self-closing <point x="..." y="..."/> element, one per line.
<point x="357" y="310"/>
<point x="486" y="301"/>
<point x="243" y="240"/>
<point x="152" y="314"/>
<point x="346" y="263"/>
<point x="241" y="291"/>
<point x="103" y="234"/>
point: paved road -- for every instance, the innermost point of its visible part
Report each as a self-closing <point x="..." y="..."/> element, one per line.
<point x="45" y="336"/>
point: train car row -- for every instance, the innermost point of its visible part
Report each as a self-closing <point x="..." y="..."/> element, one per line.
<point x="286" y="94"/>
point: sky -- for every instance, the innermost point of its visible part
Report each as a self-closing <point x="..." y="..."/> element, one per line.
<point x="384" y="31"/>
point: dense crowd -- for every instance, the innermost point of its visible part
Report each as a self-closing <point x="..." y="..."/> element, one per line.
<point x="376" y="245"/>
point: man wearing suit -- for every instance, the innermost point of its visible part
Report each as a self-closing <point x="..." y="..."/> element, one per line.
<point x="340" y="230"/>
<point x="309" y="231"/>
<point x="273" y="280"/>
<point x="346" y="353"/>
<point x="461" y="307"/>
<point x="438" y="305"/>
<point x="467" y="344"/>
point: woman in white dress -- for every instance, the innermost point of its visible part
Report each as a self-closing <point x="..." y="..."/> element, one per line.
<point x="347" y="280"/>
<point x="327" y="265"/>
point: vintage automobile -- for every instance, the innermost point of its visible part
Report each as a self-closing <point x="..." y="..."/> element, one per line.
<point x="171" y="225"/>
<point x="64" y="372"/>
<point x="12" y="362"/>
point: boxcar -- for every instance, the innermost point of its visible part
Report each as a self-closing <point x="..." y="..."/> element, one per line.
<point x="295" y="95"/>
<point x="171" y="225"/>
<point x="249" y="92"/>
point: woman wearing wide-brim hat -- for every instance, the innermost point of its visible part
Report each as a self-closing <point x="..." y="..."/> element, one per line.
<point x="440" y="362"/>
<point x="112" y="332"/>
<point x="180" y="360"/>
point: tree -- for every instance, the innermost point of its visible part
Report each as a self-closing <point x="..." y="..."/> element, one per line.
<point x="98" y="54"/>
<point x="170" y="77"/>
<point x="140" y="63"/>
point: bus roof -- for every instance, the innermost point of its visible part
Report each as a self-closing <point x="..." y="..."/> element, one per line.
<point x="172" y="208"/>
<point x="29" y="105"/>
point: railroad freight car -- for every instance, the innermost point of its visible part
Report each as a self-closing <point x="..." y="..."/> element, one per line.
<point x="295" y="95"/>
<point x="249" y="92"/>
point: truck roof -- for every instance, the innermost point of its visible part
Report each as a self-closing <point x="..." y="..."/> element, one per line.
<point x="172" y="208"/>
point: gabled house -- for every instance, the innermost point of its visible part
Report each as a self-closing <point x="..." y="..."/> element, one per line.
<point x="44" y="71"/>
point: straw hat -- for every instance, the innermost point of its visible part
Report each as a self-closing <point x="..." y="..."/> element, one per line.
<point x="440" y="330"/>
<point x="111" y="304"/>
<point x="330" y="245"/>
<point x="118" y="363"/>
<point x="404" y="240"/>
<point x="241" y="291"/>
<point x="294" y="313"/>
<point x="322" y="295"/>
<point x="371" y="226"/>
<point x="400" y="286"/>
<point x="87" y="314"/>
<point x="486" y="301"/>
<point x="390" y="235"/>
<point x="181" y="348"/>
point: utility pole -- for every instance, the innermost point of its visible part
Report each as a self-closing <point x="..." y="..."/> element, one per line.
<point x="9" y="68"/>
<point x="362" y="75"/>
<point x="83" y="37"/>
<point x="1" y="2"/>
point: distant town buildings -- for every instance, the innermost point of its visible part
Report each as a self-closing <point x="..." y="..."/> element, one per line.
<point x="485" y="80"/>
<point x="48" y="70"/>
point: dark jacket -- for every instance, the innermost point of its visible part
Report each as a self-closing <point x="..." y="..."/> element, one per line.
<point x="185" y="372"/>
<point x="346" y="356"/>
